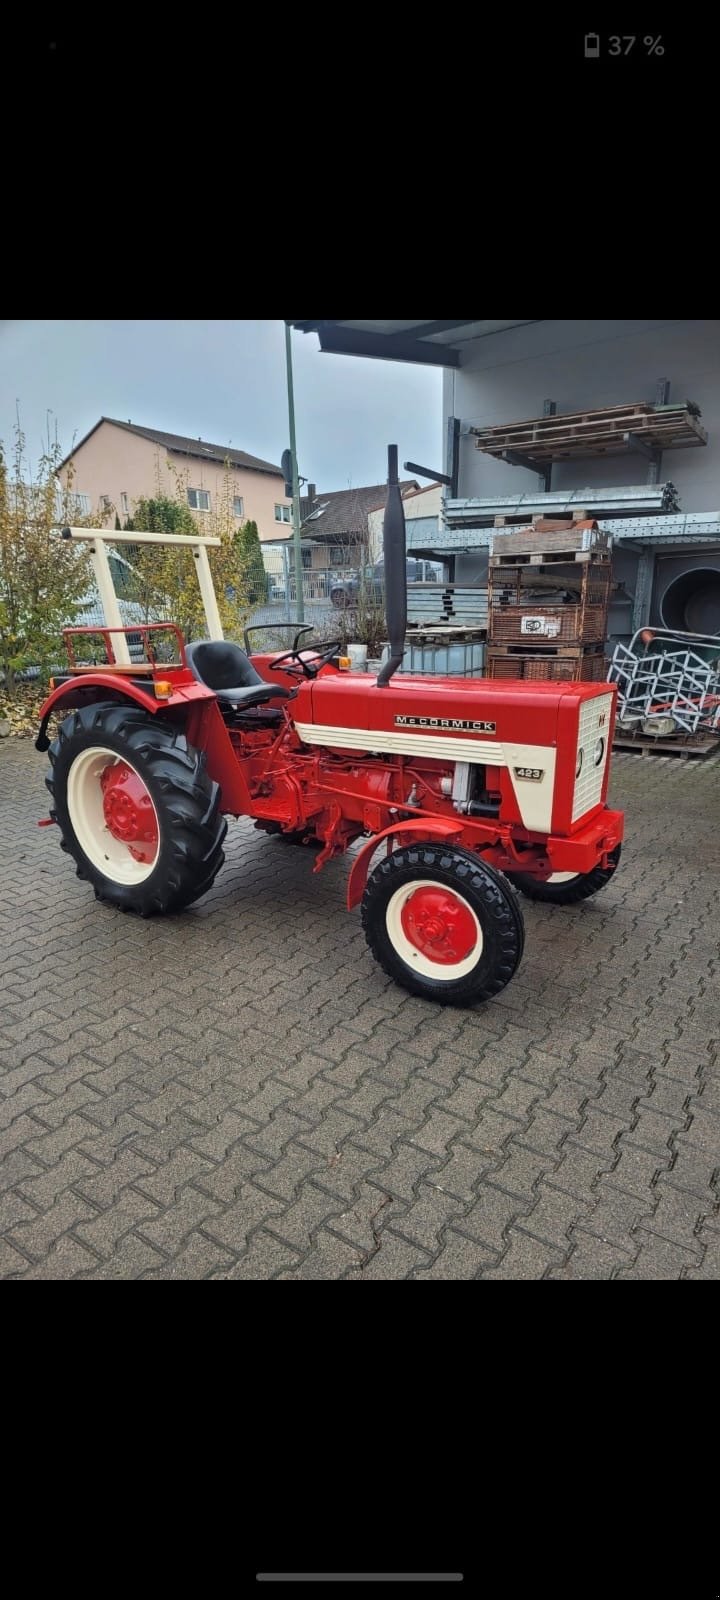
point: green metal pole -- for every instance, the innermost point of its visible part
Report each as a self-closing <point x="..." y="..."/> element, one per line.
<point x="295" y="480"/>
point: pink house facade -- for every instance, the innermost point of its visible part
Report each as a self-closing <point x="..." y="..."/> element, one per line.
<point x="117" y="463"/>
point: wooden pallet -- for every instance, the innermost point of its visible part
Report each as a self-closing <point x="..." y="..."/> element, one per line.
<point x="667" y="747"/>
<point x="590" y="414"/>
<point x="562" y="520"/>
<point x="542" y="558"/>
<point x="536" y="647"/>
<point x="607" y="430"/>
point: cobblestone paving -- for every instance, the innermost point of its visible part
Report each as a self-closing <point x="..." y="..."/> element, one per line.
<point x="238" y="1092"/>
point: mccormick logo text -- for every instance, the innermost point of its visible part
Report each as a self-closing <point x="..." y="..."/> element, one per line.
<point x="446" y="724"/>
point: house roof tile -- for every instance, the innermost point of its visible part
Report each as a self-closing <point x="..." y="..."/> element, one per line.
<point x="178" y="444"/>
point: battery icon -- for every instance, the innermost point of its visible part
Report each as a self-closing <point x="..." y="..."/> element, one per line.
<point x="592" y="46"/>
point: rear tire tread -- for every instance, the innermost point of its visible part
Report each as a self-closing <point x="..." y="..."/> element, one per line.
<point x="186" y="799"/>
<point x="567" y="894"/>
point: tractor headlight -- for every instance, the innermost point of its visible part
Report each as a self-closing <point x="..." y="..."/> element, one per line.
<point x="579" y="763"/>
<point x="599" y="752"/>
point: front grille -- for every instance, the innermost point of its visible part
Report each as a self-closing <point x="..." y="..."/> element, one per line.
<point x="588" y="786"/>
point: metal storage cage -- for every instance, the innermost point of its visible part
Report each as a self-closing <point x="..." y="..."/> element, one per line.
<point x="563" y="602"/>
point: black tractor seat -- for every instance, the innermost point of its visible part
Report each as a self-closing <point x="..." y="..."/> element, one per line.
<point x="225" y="668"/>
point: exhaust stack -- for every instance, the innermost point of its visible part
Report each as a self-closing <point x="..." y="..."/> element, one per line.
<point x="395" y="569"/>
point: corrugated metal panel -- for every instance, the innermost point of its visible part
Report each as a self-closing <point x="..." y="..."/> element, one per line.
<point x="423" y="533"/>
<point x="448" y="602"/>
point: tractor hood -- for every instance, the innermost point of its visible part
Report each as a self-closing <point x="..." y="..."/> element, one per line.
<point x="532" y="731"/>
<point x="461" y="719"/>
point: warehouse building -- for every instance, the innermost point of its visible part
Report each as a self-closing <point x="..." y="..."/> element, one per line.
<point x="636" y="442"/>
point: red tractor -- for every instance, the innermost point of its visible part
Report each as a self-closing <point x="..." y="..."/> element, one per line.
<point x="474" y="788"/>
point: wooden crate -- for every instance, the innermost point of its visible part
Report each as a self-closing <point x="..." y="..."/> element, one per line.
<point x="548" y="537"/>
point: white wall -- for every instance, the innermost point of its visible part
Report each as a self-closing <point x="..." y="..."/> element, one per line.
<point x="507" y="377"/>
<point x="418" y="503"/>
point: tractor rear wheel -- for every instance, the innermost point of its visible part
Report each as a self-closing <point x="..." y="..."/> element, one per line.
<point x="566" y="888"/>
<point x="443" y="923"/>
<point x="136" y="808"/>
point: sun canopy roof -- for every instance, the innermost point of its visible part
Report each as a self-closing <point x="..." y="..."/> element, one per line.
<point x="433" y="343"/>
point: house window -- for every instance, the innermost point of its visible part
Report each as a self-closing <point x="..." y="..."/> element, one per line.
<point x="238" y="506"/>
<point x="80" y="503"/>
<point x="306" y="558"/>
<point x="124" y="506"/>
<point x="283" y="514"/>
<point x="198" y="499"/>
<point x="340" y="557"/>
<point x="106" y="503"/>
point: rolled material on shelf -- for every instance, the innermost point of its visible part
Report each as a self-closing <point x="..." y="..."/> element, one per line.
<point x="648" y="498"/>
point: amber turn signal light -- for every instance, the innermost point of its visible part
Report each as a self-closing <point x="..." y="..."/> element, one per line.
<point x="163" y="688"/>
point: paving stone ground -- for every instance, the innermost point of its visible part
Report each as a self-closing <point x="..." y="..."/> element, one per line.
<point x="239" y="1092"/>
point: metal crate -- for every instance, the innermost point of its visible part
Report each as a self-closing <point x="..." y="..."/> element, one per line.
<point x="549" y="669"/>
<point x="567" y="624"/>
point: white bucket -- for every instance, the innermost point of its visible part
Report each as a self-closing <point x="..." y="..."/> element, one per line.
<point x="358" y="657"/>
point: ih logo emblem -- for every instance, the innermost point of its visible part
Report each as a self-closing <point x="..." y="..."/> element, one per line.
<point x="533" y="774"/>
<point x="446" y="724"/>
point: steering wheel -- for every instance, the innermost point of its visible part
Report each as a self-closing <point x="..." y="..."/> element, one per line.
<point x="308" y="669"/>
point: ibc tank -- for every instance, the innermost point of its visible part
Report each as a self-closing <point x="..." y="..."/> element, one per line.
<point x="466" y="660"/>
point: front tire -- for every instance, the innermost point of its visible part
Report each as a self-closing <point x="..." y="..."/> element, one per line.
<point x="443" y="923"/>
<point x="136" y="808"/>
<point x="566" y="888"/>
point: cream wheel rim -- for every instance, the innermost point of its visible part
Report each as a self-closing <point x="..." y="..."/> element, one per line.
<point x="109" y="853"/>
<point x="461" y="926"/>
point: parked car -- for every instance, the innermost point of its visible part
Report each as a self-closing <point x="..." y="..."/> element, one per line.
<point x="344" y="591"/>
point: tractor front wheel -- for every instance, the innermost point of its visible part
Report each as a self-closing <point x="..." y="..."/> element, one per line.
<point x="136" y="808"/>
<point x="443" y="923"/>
<point x="566" y="888"/>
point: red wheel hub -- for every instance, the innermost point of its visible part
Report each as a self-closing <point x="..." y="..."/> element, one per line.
<point x="440" y="924"/>
<point x="129" y="812"/>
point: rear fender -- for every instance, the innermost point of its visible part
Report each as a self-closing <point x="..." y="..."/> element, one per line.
<point x="413" y="832"/>
<point x="93" y="686"/>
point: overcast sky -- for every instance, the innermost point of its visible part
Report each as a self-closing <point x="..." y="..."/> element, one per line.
<point x="224" y="382"/>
